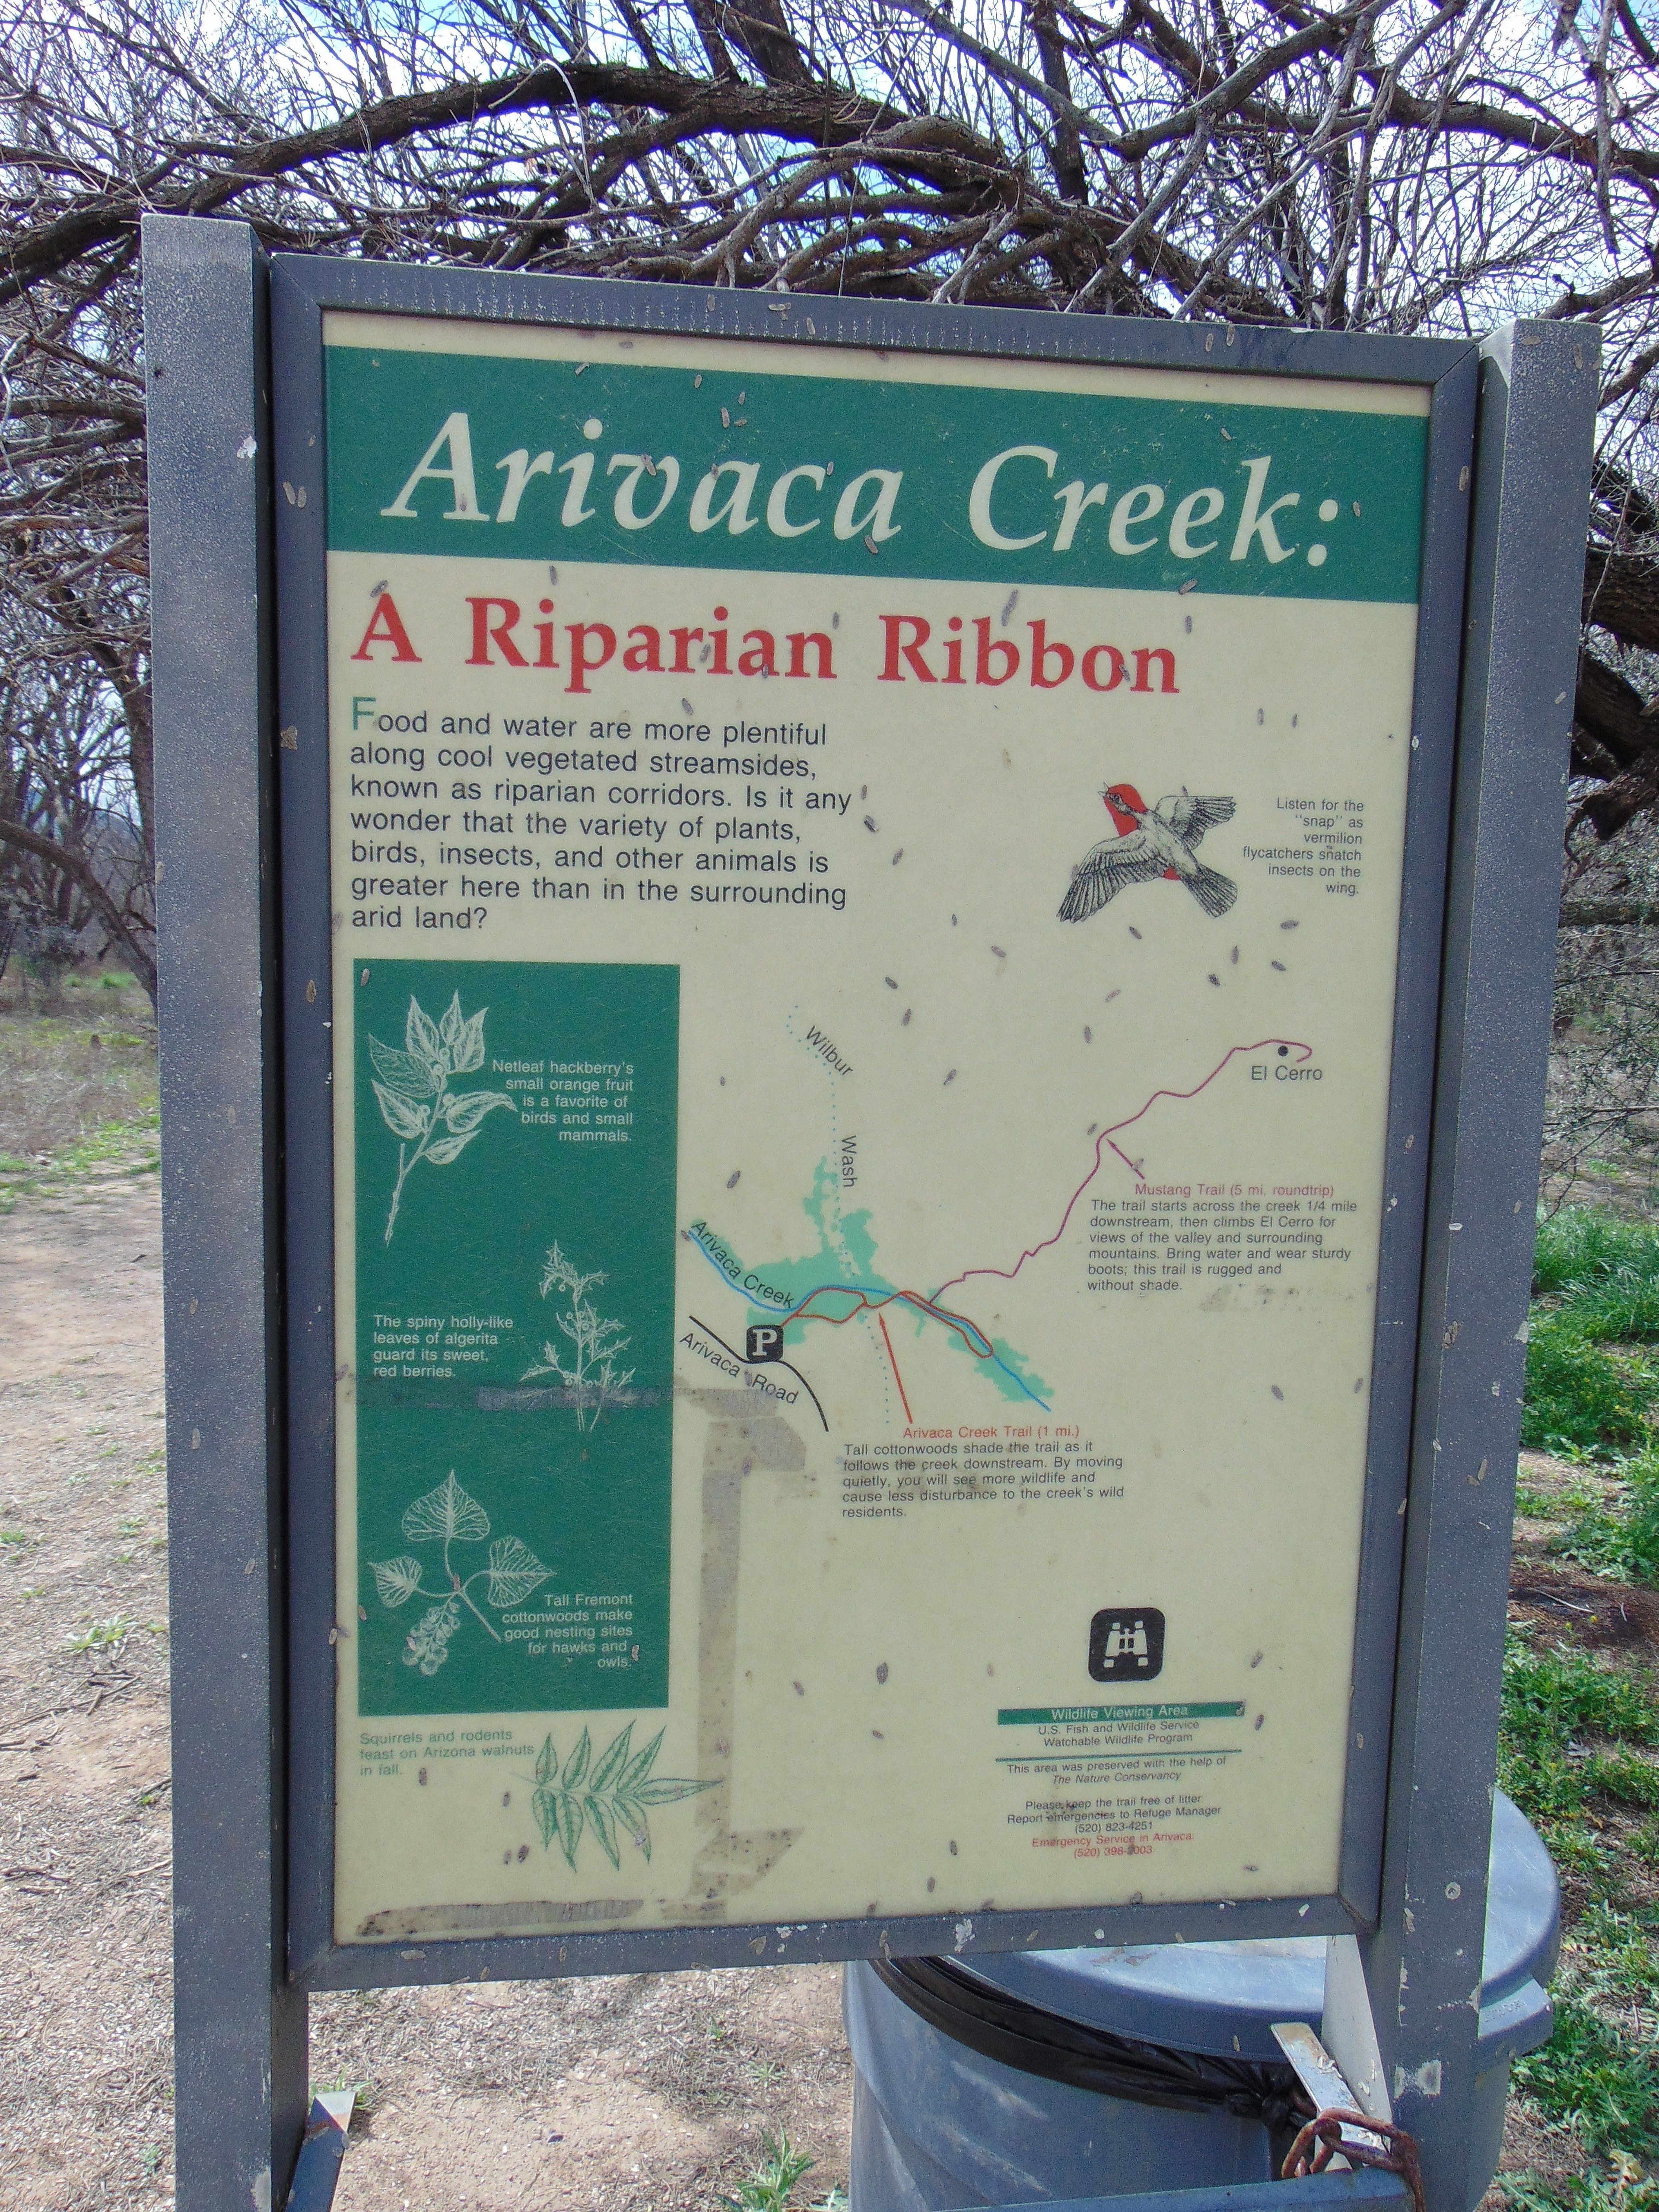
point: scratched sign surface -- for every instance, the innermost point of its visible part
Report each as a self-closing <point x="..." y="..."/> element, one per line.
<point x="866" y="893"/>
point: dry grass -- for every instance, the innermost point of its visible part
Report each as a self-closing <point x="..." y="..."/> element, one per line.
<point x="67" y="1078"/>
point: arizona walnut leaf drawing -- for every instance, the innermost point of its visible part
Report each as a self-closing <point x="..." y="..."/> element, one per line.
<point x="608" y="1796"/>
<point x="413" y="1090"/>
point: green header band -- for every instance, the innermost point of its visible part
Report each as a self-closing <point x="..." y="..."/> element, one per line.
<point x="1060" y="1715"/>
<point x="474" y="454"/>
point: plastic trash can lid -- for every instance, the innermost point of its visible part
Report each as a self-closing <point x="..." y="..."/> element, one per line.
<point x="1222" y="1998"/>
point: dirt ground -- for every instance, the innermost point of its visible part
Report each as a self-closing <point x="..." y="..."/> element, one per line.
<point x="642" y="2093"/>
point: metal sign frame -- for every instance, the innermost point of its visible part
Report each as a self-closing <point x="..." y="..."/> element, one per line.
<point x="235" y="353"/>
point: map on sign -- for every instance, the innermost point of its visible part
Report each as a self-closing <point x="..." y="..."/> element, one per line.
<point x="866" y="896"/>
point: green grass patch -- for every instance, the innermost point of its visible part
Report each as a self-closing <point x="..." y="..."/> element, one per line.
<point x="1619" y="1536"/>
<point x="1573" y="1731"/>
<point x="1626" y="2191"/>
<point x="133" y="1145"/>
<point x="1594" y="2078"/>
<point x="1607" y="1268"/>
<point x="1552" y="1697"/>
<point x="1582" y="1396"/>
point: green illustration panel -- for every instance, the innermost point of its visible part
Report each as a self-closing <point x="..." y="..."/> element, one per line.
<point x="516" y="1134"/>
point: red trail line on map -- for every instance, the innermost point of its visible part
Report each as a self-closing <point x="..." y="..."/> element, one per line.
<point x="1104" y="1139"/>
<point x="881" y="1323"/>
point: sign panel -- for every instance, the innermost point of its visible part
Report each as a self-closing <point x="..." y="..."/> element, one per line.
<point x="866" y="893"/>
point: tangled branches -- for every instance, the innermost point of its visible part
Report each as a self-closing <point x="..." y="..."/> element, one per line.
<point x="1409" y="165"/>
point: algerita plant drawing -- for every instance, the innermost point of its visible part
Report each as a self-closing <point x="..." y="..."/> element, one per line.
<point x="591" y="1380"/>
<point x="414" y="1093"/>
<point x="451" y="1516"/>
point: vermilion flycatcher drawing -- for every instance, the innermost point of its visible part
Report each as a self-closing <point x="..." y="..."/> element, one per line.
<point x="1151" y="842"/>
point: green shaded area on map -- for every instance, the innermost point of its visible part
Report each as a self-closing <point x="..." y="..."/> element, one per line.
<point x="516" y="1143"/>
<point x="842" y="1270"/>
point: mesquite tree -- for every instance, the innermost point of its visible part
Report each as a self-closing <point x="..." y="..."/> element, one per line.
<point x="1408" y="165"/>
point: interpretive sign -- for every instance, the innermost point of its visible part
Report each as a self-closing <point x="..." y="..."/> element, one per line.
<point x="866" y="896"/>
<point x="854" y="1001"/>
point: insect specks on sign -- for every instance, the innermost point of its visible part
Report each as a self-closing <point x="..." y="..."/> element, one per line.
<point x="1000" y="954"/>
<point x="1012" y="602"/>
<point x="1216" y="980"/>
<point x="732" y="1180"/>
<point x="1277" y="1392"/>
<point x="799" y="1691"/>
<point x="951" y="1078"/>
<point x="1110" y="995"/>
<point x="905" y="1023"/>
<point x="870" y="822"/>
<point x="310" y="990"/>
<point x="1289" y="924"/>
<point x="890" y="984"/>
<point x="881" y="1672"/>
<point x="1279" y="964"/>
<point x="1257" y="1658"/>
<point x="1134" y="932"/>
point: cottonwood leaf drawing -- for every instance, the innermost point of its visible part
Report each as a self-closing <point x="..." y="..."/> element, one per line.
<point x="396" y="1581"/>
<point x="612" y="1799"/>
<point x="444" y="1513"/>
<point x="515" y="1572"/>
<point x="413" y="1090"/>
<point x="449" y="1515"/>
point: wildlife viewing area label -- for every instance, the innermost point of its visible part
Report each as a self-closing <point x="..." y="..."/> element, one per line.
<point x="866" y="891"/>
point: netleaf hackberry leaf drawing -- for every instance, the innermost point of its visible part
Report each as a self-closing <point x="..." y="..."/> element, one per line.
<point x="592" y="1381"/>
<point x="451" y="1516"/>
<point x="413" y="1089"/>
<point x="611" y="1796"/>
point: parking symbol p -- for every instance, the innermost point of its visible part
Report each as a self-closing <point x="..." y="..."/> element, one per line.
<point x="765" y="1344"/>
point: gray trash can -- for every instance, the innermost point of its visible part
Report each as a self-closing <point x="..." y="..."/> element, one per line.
<point x="938" y="2122"/>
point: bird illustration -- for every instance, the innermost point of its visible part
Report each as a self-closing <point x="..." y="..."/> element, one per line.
<point x="1151" y="841"/>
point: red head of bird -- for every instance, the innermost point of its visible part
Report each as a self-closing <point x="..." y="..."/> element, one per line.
<point x="1126" y="807"/>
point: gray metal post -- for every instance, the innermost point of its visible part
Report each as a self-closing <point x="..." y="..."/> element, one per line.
<point x="1520" y="645"/>
<point x="241" y="2029"/>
